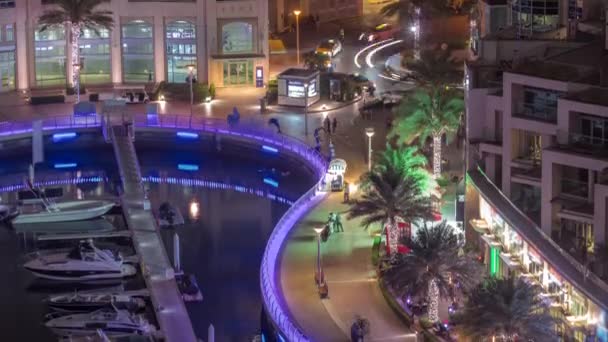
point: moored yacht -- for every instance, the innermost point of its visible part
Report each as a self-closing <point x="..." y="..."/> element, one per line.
<point x="64" y="212"/>
<point x="86" y="302"/>
<point x="82" y="263"/>
<point x="111" y="322"/>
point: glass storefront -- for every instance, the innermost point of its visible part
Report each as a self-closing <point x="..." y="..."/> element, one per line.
<point x="238" y="72"/>
<point x="50" y="57"/>
<point x="237" y="37"/>
<point x="7" y="57"/>
<point x="95" y="56"/>
<point x="181" y="50"/>
<point x="137" y="52"/>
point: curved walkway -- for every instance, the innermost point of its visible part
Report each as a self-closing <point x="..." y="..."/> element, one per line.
<point x="353" y="289"/>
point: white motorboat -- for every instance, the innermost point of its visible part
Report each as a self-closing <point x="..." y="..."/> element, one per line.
<point x="85" y="262"/>
<point x="86" y="302"/>
<point x="112" y="322"/>
<point x="65" y="211"/>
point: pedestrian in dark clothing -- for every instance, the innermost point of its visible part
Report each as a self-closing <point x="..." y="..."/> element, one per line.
<point x="317" y="22"/>
<point x="338" y="223"/>
<point x="346" y="192"/>
<point x="327" y="125"/>
<point x="334" y="125"/>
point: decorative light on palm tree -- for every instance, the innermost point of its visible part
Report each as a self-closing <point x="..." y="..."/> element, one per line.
<point x="511" y="310"/>
<point x="429" y="113"/>
<point x="75" y="15"/>
<point x="431" y="268"/>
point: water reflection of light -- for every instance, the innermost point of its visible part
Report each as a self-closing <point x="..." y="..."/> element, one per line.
<point x="194" y="210"/>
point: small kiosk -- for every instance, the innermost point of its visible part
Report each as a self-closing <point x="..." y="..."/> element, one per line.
<point x="298" y="87"/>
<point x="334" y="179"/>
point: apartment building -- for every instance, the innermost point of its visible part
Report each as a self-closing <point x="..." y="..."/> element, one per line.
<point x="152" y="41"/>
<point x="537" y="159"/>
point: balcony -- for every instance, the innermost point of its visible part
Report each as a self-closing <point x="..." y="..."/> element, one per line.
<point x="575" y="187"/>
<point x="584" y="144"/>
<point x="526" y="110"/>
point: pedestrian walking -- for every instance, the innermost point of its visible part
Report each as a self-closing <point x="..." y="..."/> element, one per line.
<point x="334" y="125"/>
<point x="338" y="223"/>
<point x="341" y="34"/>
<point x="317" y="22"/>
<point x="346" y="192"/>
<point x="327" y="125"/>
<point x="331" y="222"/>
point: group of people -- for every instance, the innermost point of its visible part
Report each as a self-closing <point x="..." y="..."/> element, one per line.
<point x="330" y="125"/>
<point x="333" y="225"/>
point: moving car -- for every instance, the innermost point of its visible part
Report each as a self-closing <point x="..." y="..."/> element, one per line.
<point x="330" y="47"/>
<point x="379" y="32"/>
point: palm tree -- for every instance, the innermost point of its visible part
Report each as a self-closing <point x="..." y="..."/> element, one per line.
<point x="76" y="15"/>
<point x="409" y="161"/>
<point x="389" y="193"/>
<point x="434" y="68"/>
<point x="429" y="113"/>
<point x="511" y="309"/>
<point x="434" y="264"/>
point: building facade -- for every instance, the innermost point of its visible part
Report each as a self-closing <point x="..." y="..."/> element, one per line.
<point x="152" y="41"/>
<point x="537" y="159"/>
<point x="281" y="11"/>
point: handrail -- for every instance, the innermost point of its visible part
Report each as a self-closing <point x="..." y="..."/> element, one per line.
<point x="254" y="129"/>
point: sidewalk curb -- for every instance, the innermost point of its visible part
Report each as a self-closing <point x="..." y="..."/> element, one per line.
<point x="301" y="111"/>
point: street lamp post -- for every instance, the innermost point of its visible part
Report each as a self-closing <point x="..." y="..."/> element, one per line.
<point x="306" y="109"/>
<point x="191" y="77"/>
<point x="297" y="13"/>
<point x="318" y="271"/>
<point x="370" y="133"/>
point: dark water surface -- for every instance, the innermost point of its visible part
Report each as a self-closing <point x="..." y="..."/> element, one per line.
<point x="221" y="243"/>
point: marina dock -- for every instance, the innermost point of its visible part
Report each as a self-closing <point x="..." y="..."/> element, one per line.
<point x="158" y="272"/>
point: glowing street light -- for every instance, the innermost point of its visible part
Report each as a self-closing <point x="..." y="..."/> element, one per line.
<point x="297" y="14"/>
<point x="318" y="271"/>
<point x="370" y="133"/>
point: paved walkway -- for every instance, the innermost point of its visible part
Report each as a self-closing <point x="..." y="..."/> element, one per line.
<point x="351" y="278"/>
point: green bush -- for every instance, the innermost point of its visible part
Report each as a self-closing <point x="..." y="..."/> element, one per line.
<point x="181" y="91"/>
<point x="376" y="250"/>
<point x="72" y="90"/>
<point x="212" y="90"/>
<point x="425" y="323"/>
<point x="395" y="306"/>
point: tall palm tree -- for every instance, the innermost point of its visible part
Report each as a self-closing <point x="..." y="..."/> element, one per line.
<point x="434" y="68"/>
<point x="434" y="264"/>
<point x="389" y="193"/>
<point x="409" y="161"/>
<point x="76" y="15"/>
<point x="429" y="113"/>
<point x="511" y="309"/>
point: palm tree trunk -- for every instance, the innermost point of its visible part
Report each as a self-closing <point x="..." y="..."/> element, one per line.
<point x="436" y="156"/>
<point x="433" y="300"/>
<point x="75" y="56"/>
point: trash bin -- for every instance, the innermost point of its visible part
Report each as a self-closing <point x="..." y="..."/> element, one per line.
<point x="263" y="103"/>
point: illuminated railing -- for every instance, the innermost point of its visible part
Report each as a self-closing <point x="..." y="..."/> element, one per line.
<point x="255" y="130"/>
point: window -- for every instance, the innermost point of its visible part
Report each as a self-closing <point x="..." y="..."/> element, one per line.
<point x="50" y="56"/>
<point x="237" y="37"/>
<point x="7" y="58"/>
<point x="539" y="104"/>
<point x="594" y="131"/>
<point x="95" y="56"/>
<point x="7" y="3"/>
<point x="181" y="50"/>
<point x="137" y="52"/>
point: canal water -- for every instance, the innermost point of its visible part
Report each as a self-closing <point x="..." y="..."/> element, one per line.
<point x="231" y="198"/>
